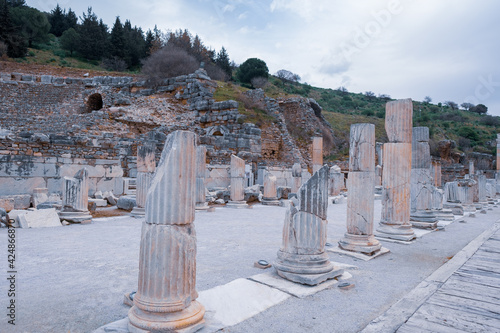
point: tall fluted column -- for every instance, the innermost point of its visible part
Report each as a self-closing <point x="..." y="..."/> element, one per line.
<point x="296" y="177"/>
<point x="360" y="186"/>
<point x="317" y="153"/>
<point x="302" y="257"/>
<point x="471" y="168"/>
<point x="379" y="147"/>
<point x="237" y="183"/>
<point x="201" y="166"/>
<point x="422" y="215"/>
<point x="395" y="220"/>
<point x="146" y="166"/>
<point x="165" y="299"/>
<point x="270" y="197"/>
<point x="481" y="185"/>
<point x="76" y="198"/>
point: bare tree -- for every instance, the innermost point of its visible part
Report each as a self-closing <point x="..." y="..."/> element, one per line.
<point x="427" y="99"/>
<point x="287" y="76"/>
<point x="343" y="89"/>
<point x="370" y="94"/>
<point x="169" y="61"/>
<point x="384" y="96"/>
<point x="451" y="104"/>
<point x="467" y="106"/>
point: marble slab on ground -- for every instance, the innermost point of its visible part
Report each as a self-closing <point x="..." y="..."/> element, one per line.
<point x="358" y="255"/>
<point x="272" y="279"/>
<point x="236" y="301"/>
<point x="225" y="305"/>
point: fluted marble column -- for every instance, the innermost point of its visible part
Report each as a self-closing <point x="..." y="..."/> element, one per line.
<point x="201" y="166"/>
<point x="76" y="198"/>
<point x="296" y="177"/>
<point x="436" y="171"/>
<point x="452" y="198"/>
<point x="166" y="297"/>
<point x="379" y="147"/>
<point x="237" y="183"/>
<point x="146" y="166"/>
<point x="360" y="186"/>
<point x="317" y="153"/>
<point x="270" y="197"/>
<point x="422" y="215"/>
<point x="395" y="220"/>
<point x="336" y="181"/>
<point x="302" y="257"/>
<point x="471" y="168"/>
<point x="481" y="187"/>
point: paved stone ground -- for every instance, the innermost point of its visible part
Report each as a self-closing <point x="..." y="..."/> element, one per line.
<point x="72" y="279"/>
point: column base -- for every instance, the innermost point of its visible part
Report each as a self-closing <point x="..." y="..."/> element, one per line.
<point x="76" y="217"/>
<point x="310" y="279"/>
<point x="402" y="232"/>
<point x="237" y="204"/>
<point x="423" y="219"/>
<point x="186" y="321"/>
<point x="271" y="202"/>
<point x="202" y="206"/>
<point x="365" y="244"/>
<point x="444" y="215"/>
<point x="138" y="212"/>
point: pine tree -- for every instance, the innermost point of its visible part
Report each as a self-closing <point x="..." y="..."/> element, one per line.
<point x="9" y="34"/>
<point x="93" y="36"/>
<point x="71" y="20"/>
<point x="223" y="61"/>
<point x="117" y="40"/>
<point x="57" y="20"/>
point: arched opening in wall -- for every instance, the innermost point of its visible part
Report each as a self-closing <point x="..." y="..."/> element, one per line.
<point x="94" y="102"/>
<point x="218" y="133"/>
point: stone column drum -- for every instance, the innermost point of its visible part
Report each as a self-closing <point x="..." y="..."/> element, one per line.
<point x="302" y="257"/>
<point x="270" y="197"/>
<point x="237" y="183"/>
<point x="146" y="166"/>
<point x="436" y="171"/>
<point x="421" y="215"/>
<point x="76" y="198"/>
<point x="466" y="190"/>
<point x="336" y="181"/>
<point x="201" y="166"/>
<point x="437" y="206"/>
<point x="360" y="186"/>
<point x="166" y="297"/>
<point x="317" y="153"/>
<point x="296" y="177"/>
<point x="395" y="220"/>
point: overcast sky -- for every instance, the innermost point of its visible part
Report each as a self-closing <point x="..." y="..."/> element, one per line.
<point x="446" y="49"/>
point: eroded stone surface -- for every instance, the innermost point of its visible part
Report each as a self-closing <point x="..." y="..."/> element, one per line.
<point x="237" y="183"/>
<point x="165" y="299"/>
<point x="395" y="219"/>
<point x="302" y="257"/>
<point x="75" y="198"/>
<point x="317" y="153"/>
<point x="360" y="186"/>
<point x="270" y="191"/>
<point x="201" y="164"/>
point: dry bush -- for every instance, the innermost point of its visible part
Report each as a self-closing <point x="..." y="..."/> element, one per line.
<point x="216" y="73"/>
<point x="3" y="49"/>
<point x="114" y="64"/>
<point x="170" y="61"/>
<point x="259" y="82"/>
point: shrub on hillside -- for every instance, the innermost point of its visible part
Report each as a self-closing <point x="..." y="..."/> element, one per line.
<point x="3" y="49"/>
<point x="252" y="68"/>
<point x="170" y="61"/>
<point x="490" y="121"/>
<point x="114" y="64"/>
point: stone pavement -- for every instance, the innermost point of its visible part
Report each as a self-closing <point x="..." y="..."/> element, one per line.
<point x="463" y="295"/>
<point x="72" y="279"/>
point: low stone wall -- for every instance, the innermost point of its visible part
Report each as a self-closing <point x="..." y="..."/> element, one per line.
<point x="20" y="174"/>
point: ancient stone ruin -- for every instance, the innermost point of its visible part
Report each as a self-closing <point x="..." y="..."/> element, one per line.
<point x="360" y="185"/>
<point x="166" y="296"/>
<point x="237" y="183"/>
<point x="395" y="220"/>
<point x="201" y="167"/>
<point x="422" y="186"/>
<point x="146" y="166"/>
<point x="302" y="257"/>
<point x="75" y="198"/>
